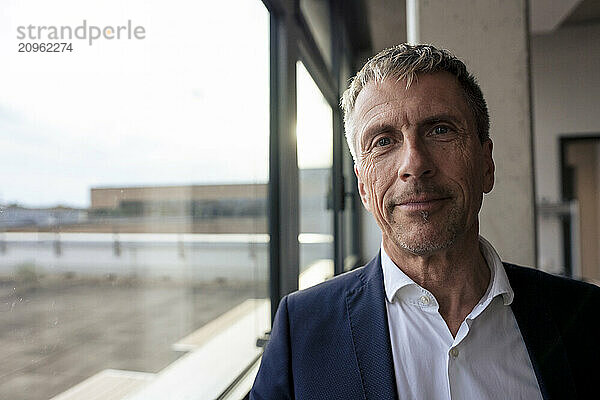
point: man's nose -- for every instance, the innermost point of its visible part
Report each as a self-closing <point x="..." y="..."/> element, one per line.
<point x="416" y="161"/>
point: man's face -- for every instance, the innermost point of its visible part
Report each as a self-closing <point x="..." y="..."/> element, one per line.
<point x="421" y="168"/>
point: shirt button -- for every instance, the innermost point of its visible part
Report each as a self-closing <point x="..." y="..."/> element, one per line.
<point x="454" y="352"/>
<point x="425" y="300"/>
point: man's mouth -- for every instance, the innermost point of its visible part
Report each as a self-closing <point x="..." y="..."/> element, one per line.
<point x="422" y="203"/>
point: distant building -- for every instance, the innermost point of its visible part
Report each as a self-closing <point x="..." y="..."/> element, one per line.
<point x="14" y="217"/>
<point x="225" y="208"/>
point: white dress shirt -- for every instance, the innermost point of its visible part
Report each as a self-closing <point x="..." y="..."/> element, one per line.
<point x="486" y="360"/>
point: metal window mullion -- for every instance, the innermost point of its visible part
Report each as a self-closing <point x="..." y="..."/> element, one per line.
<point x="283" y="167"/>
<point x="338" y="142"/>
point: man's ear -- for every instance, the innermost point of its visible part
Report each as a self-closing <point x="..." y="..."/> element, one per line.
<point x="364" y="195"/>
<point x="488" y="165"/>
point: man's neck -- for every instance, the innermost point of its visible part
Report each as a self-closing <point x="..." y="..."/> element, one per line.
<point x="457" y="276"/>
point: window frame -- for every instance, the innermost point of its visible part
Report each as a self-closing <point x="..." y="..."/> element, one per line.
<point x="291" y="41"/>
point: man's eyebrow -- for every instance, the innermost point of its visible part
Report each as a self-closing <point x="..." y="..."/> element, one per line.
<point x="377" y="129"/>
<point x="434" y="119"/>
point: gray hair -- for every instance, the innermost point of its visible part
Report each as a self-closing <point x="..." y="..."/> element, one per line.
<point x="406" y="61"/>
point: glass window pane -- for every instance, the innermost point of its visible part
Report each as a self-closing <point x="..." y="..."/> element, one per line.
<point x="133" y="210"/>
<point x="314" y="133"/>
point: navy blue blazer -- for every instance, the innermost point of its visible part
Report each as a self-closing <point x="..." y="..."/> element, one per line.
<point x="332" y="341"/>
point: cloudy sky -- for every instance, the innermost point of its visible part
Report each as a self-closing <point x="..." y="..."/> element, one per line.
<point x="188" y="104"/>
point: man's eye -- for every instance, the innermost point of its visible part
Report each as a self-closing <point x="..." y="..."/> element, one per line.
<point x="440" y="130"/>
<point x="384" y="141"/>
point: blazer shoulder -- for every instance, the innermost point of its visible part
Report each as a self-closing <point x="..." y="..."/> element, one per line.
<point x="535" y="279"/>
<point x="335" y="286"/>
<point x="338" y="287"/>
<point x="560" y="294"/>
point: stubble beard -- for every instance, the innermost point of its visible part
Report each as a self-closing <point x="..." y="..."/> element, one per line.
<point x="422" y="237"/>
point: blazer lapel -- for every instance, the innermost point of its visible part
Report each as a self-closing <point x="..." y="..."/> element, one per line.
<point x="542" y="339"/>
<point x="370" y="334"/>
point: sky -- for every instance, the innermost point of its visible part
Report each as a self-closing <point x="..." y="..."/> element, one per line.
<point x="186" y="105"/>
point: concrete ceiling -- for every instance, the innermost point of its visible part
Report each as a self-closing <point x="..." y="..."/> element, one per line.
<point x="586" y="12"/>
<point x="387" y="18"/>
<point x="547" y="15"/>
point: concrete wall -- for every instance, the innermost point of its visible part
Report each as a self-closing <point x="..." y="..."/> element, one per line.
<point x="491" y="37"/>
<point x="566" y="95"/>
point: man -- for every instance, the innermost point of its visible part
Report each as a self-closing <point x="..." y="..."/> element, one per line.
<point x="436" y="315"/>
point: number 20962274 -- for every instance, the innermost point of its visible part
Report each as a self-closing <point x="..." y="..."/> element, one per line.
<point x="45" y="47"/>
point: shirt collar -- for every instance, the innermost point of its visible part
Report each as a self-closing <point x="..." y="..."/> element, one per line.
<point x="395" y="279"/>
<point x="500" y="284"/>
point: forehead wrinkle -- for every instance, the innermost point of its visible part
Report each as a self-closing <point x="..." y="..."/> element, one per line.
<point x="375" y="96"/>
<point x="396" y="115"/>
